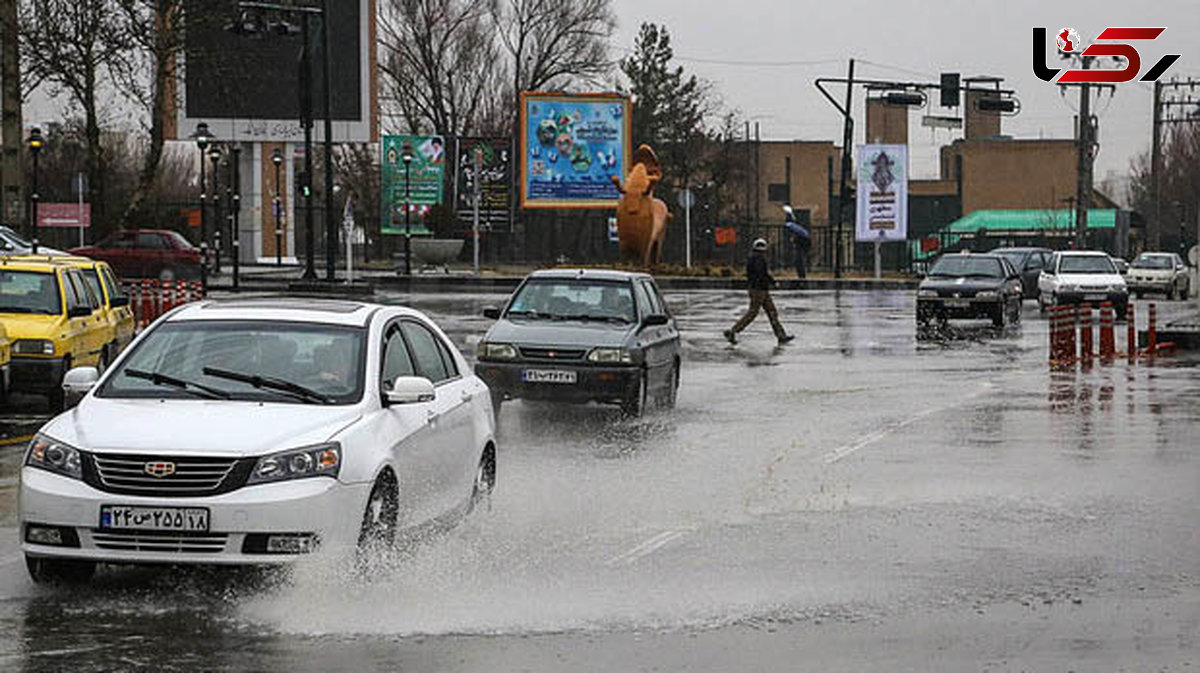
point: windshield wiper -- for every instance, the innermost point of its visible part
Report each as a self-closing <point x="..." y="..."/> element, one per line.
<point x="528" y="313"/>
<point x="160" y="379"/>
<point x="269" y="383"/>
<point x="18" y="309"/>
<point x="596" y="318"/>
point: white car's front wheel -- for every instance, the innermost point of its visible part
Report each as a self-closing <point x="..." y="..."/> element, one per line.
<point x="379" y="519"/>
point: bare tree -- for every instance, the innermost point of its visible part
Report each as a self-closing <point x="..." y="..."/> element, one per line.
<point x="553" y="42"/>
<point x="153" y="31"/>
<point x="440" y="62"/>
<point x="68" y="45"/>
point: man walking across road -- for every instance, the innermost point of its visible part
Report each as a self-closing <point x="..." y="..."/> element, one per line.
<point x="801" y="240"/>
<point x="759" y="280"/>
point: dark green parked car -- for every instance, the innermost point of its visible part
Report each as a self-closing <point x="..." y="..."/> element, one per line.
<point x="581" y="335"/>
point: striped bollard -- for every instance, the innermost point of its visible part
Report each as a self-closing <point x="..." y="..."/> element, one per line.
<point x="1152" y="330"/>
<point x="167" y="289"/>
<point x="1131" y="332"/>
<point x="147" y="303"/>
<point x="1087" y="335"/>
<point x="1108" y="340"/>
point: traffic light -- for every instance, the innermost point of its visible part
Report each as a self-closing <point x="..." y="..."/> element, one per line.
<point x="904" y="98"/>
<point x="303" y="185"/>
<point x="997" y="104"/>
<point x="951" y="82"/>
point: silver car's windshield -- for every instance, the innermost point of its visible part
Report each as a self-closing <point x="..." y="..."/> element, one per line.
<point x="327" y="360"/>
<point x="563" y="299"/>
<point x="1154" y="262"/>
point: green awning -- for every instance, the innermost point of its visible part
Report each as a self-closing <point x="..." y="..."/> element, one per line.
<point x="1011" y="221"/>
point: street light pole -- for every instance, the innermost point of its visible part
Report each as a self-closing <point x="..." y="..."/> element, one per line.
<point x="407" y="157"/>
<point x="330" y="224"/>
<point x="277" y="208"/>
<point x="236" y="234"/>
<point x="306" y="120"/>
<point x="202" y="136"/>
<point x="214" y="154"/>
<point x="35" y="148"/>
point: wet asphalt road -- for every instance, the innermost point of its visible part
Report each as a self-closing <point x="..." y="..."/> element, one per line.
<point x="855" y="501"/>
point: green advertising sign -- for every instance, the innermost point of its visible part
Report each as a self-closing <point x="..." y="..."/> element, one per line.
<point x="423" y="188"/>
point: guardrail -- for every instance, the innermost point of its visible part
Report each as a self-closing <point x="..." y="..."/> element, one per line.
<point x="150" y="299"/>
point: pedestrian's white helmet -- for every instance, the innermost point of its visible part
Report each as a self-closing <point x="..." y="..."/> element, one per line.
<point x="760" y="244"/>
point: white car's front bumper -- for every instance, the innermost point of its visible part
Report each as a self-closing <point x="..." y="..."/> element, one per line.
<point x="320" y="506"/>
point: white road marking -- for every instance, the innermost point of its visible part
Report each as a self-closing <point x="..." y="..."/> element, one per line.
<point x="863" y="442"/>
<point x="646" y="548"/>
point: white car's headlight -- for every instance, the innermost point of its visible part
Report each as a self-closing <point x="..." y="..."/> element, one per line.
<point x="987" y="294"/>
<point x="54" y="456"/>
<point x="610" y="356"/>
<point x="927" y="293"/>
<point x="492" y="351"/>
<point x="324" y="460"/>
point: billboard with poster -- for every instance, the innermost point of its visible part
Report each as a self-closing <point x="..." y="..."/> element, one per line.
<point x="571" y="146"/>
<point x="423" y="187"/>
<point x="882" y="209"/>
<point x="495" y="181"/>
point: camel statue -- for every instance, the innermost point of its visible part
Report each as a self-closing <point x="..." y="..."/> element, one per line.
<point x="641" y="218"/>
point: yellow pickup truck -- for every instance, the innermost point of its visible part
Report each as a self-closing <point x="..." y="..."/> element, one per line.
<point x="54" y="322"/>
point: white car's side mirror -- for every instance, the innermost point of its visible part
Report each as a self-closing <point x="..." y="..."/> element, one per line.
<point x="78" y="382"/>
<point x="411" y="390"/>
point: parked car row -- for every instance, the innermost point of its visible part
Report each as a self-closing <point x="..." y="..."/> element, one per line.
<point x="60" y="312"/>
<point x="258" y="431"/>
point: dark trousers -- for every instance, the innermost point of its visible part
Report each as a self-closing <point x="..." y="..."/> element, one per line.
<point x="802" y="260"/>
<point x="760" y="299"/>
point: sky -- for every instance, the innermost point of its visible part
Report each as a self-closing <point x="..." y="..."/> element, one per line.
<point x="763" y="55"/>
<point x="736" y="45"/>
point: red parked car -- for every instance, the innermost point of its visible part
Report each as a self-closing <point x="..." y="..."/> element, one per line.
<point x="147" y="253"/>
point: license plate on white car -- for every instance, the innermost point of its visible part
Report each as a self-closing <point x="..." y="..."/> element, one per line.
<point x="548" y="376"/>
<point x="184" y="519"/>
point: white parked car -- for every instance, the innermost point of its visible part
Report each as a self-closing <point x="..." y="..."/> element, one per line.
<point x="1162" y="272"/>
<point x="253" y="432"/>
<point x="1079" y="277"/>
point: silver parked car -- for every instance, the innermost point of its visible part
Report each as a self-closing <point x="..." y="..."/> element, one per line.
<point x="576" y="335"/>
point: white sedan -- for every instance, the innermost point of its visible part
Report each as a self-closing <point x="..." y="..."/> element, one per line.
<point x="254" y="432"/>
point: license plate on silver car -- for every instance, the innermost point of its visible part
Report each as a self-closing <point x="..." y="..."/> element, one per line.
<point x="958" y="303"/>
<point x="548" y="376"/>
<point x="1095" y="297"/>
<point x="124" y="517"/>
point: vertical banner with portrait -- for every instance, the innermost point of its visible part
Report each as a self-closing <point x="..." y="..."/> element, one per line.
<point x="572" y="146"/>
<point x="495" y="181"/>
<point x="426" y="176"/>
<point x="882" y="209"/>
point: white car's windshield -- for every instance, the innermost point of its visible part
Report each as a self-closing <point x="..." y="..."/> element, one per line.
<point x="569" y="299"/>
<point x="1086" y="264"/>
<point x="1154" y="262"/>
<point x="289" y="362"/>
<point x="29" y="292"/>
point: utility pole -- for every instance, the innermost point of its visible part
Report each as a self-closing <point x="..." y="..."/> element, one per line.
<point x="327" y="104"/>
<point x="1083" y="185"/>
<point x="12" y="200"/>
<point x="1173" y="104"/>
<point x="844" y="188"/>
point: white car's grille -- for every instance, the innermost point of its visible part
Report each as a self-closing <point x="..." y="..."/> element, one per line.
<point x="165" y="476"/>
<point x="162" y="543"/>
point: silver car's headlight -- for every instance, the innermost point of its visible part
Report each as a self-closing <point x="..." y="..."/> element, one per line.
<point x="927" y="293"/>
<point x="610" y="356"/>
<point x="987" y="294"/>
<point x="493" y="351"/>
<point x="324" y="460"/>
<point x="54" y="456"/>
